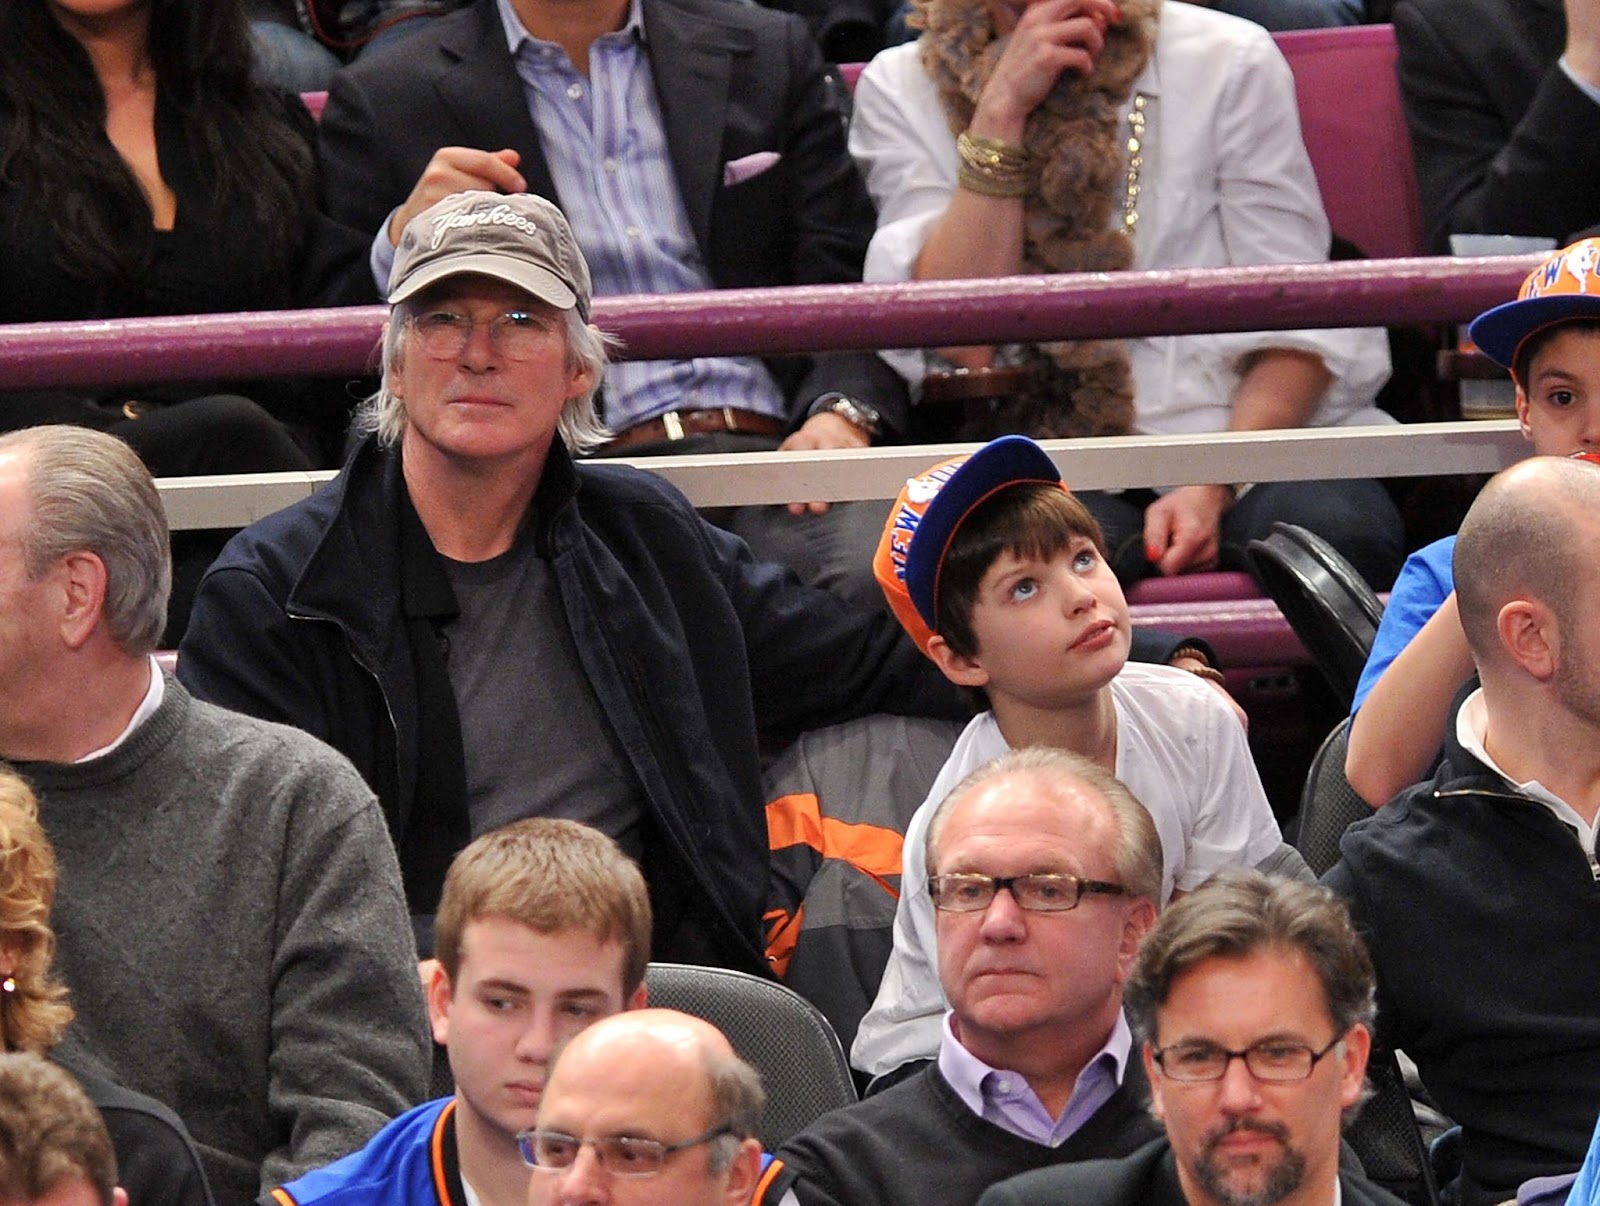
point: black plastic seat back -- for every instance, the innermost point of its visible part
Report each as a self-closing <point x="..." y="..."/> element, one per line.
<point x="1329" y="605"/>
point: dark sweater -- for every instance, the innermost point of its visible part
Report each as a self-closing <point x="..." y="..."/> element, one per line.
<point x="918" y="1144"/>
<point x="1483" y="919"/>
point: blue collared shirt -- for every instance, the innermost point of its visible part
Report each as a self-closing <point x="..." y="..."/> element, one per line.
<point x="1005" y="1098"/>
<point x="606" y="147"/>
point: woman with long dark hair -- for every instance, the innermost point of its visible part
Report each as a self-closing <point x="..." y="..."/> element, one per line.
<point x="143" y="171"/>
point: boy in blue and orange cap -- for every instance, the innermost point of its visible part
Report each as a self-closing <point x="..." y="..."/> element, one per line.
<point x="1549" y="339"/>
<point x="1000" y="576"/>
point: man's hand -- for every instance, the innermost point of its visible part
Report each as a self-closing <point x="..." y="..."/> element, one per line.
<point x="1183" y="529"/>
<point x="825" y="430"/>
<point x="456" y="170"/>
<point x="1583" y="39"/>
<point x="1046" y="38"/>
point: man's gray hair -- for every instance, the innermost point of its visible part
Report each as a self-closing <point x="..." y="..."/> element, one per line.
<point x="1138" y="853"/>
<point x="737" y="1100"/>
<point x="580" y="425"/>
<point x="88" y="491"/>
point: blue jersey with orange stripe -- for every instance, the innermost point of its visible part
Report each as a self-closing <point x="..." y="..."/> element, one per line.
<point x="410" y="1162"/>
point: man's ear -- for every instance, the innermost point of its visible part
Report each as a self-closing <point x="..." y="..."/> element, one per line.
<point x="1154" y="1081"/>
<point x="743" y="1173"/>
<point x="1353" y="1071"/>
<point x="82" y="578"/>
<point x="441" y="995"/>
<point x="1530" y="636"/>
<point x="1139" y="921"/>
<point x="958" y="668"/>
<point x="393" y="374"/>
<point x="639" y="998"/>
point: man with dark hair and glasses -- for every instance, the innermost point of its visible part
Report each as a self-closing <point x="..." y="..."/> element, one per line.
<point x="1045" y="873"/>
<point x="1253" y="999"/>
<point x="651" y="1106"/>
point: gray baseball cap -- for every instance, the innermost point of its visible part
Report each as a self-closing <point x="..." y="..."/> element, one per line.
<point x="513" y="237"/>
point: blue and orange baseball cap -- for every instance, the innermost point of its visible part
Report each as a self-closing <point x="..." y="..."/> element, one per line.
<point x="1564" y="287"/>
<point x="927" y="514"/>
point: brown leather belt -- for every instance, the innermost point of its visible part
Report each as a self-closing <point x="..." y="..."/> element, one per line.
<point x="676" y="424"/>
<point x="966" y="385"/>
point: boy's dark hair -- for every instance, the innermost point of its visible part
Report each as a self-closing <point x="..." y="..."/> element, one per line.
<point x="1534" y="344"/>
<point x="1030" y="519"/>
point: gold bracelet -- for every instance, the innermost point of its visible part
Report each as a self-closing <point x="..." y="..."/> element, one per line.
<point x="1210" y="673"/>
<point x="993" y="168"/>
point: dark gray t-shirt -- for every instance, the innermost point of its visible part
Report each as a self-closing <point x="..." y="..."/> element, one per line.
<point x="535" y="740"/>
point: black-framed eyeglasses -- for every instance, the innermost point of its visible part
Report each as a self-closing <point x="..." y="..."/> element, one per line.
<point x="619" y="1155"/>
<point x="963" y="892"/>
<point x="1270" y="1059"/>
<point x="515" y="334"/>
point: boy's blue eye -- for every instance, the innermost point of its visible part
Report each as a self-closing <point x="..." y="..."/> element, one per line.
<point x="1024" y="588"/>
<point x="1085" y="560"/>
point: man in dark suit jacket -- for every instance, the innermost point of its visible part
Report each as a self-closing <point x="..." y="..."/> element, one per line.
<point x="1253" y="998"/>
<point x="1503" y="101"/>
<point x="692" y="144"/>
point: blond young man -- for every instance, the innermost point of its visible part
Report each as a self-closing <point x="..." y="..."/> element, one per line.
<point x="544" y="928"/>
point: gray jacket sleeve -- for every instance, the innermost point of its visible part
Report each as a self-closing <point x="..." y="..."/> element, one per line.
<point x="349" y="1033"/>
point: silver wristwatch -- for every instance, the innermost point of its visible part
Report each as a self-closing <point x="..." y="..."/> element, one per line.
<point x="851" y="410"/>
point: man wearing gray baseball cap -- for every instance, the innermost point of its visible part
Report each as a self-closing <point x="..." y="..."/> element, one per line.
<point x="491" y="631"/>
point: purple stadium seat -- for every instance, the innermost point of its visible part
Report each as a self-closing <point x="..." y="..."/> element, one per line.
<point x="1355" y="132"/>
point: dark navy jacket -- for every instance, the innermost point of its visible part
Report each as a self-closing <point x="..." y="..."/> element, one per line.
<point x="325" y="616"/>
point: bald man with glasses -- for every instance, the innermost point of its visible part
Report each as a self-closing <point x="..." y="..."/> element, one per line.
<point x="1045" y="876"/>
<point x="650" y="1106"/>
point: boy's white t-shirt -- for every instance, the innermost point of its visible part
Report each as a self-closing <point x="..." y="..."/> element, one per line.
<point x="1182" y="753"/>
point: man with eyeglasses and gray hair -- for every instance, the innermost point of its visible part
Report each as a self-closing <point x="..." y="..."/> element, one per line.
<point x="1253" y="999"/>
<point x="491" y="630"/>
<point x="1045" y="872"/>
<point x="650" y="1106"/>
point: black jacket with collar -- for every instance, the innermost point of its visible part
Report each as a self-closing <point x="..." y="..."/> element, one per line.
<point x="1149" y="1177"/>
<point x="323" y="616"/>
<point x="1483" y="919"/>
<point x="1504" y="142"/>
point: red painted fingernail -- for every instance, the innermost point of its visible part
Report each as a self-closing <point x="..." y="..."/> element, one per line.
<point x="1152" y="553"/>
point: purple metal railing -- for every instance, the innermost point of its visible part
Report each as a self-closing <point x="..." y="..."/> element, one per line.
<point x="802" y="319"/>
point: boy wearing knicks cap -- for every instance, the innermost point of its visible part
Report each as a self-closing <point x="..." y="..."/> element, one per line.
<point x="1000" y="576"/>
<point x="1549" y="339"/>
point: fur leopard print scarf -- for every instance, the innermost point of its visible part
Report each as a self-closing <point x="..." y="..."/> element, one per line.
<point x="1082" y="387"/>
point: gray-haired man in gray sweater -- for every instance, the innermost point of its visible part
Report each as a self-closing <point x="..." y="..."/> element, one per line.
<point x="230" y="916"/>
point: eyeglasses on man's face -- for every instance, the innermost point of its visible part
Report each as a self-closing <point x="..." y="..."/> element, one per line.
<point x="1268" y="1060"/>
<point x="619" y="1155"/>
<point x="962" y="892"/>
<point x="515" y="334"/>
